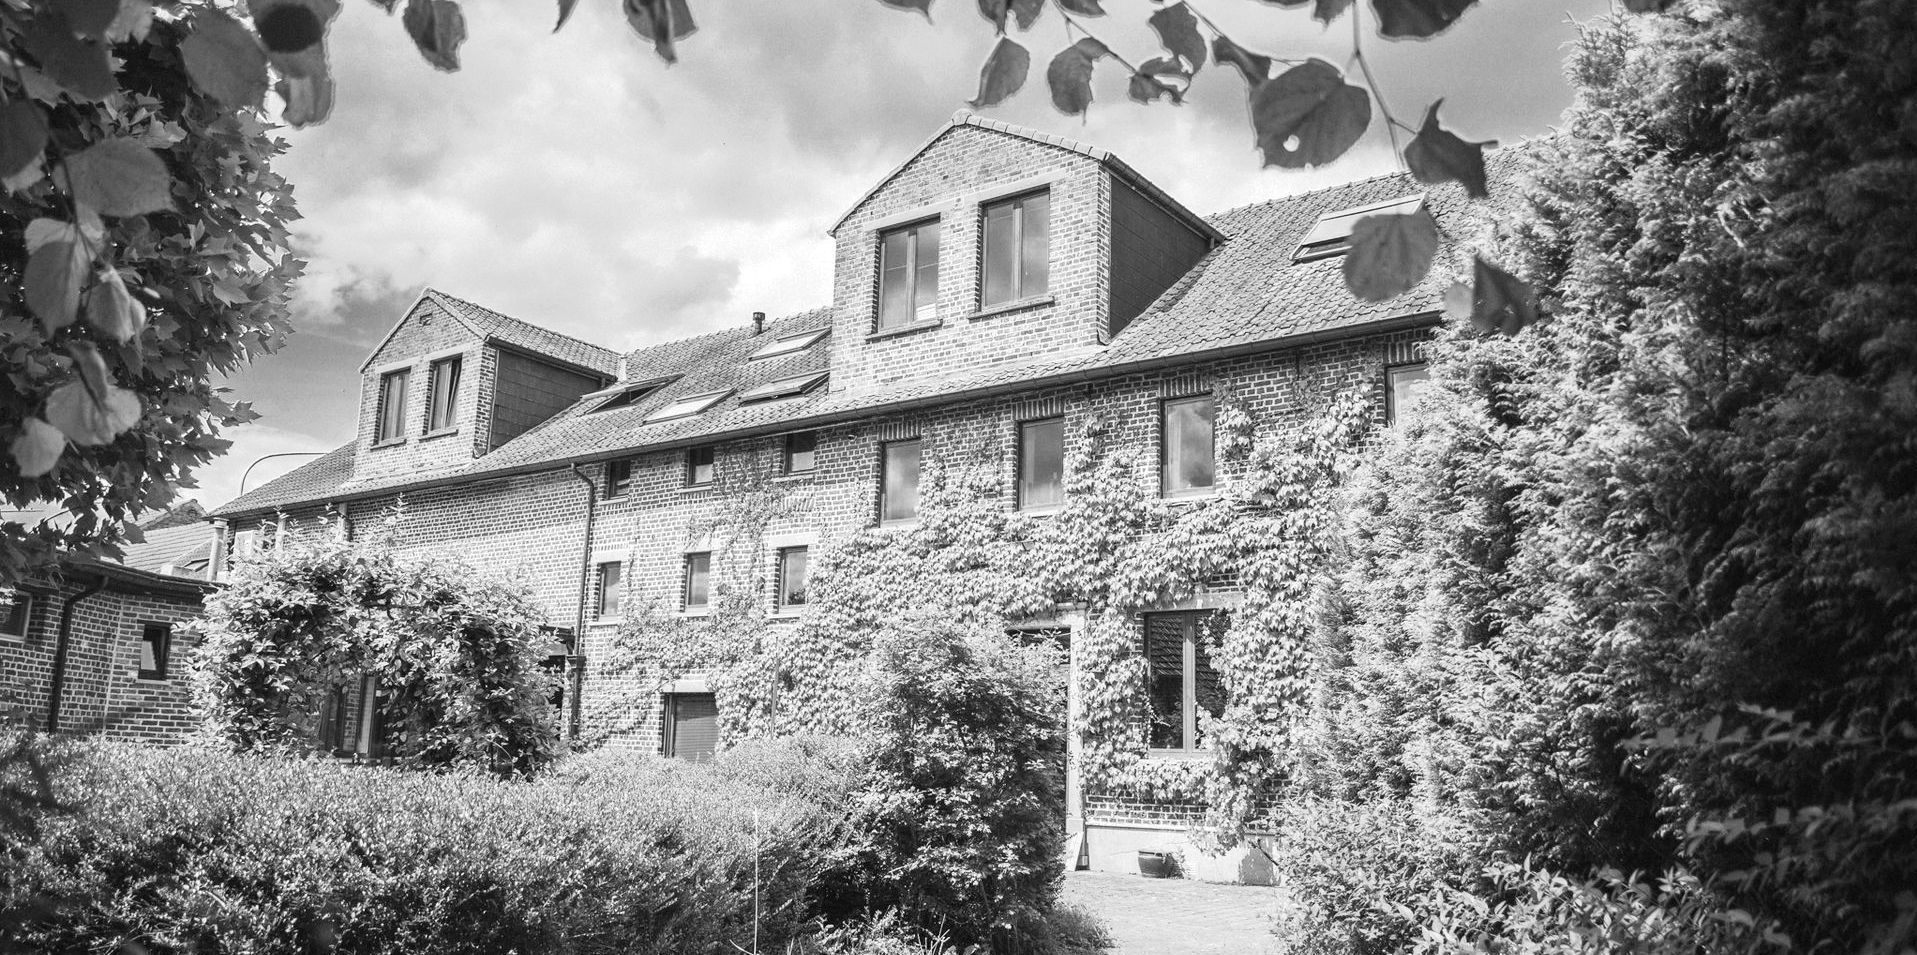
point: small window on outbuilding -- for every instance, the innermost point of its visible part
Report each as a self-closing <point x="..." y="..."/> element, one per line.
<point x="156" y="641"/>
<point x="16" y="615"/>
<point x="1332" y="233"/>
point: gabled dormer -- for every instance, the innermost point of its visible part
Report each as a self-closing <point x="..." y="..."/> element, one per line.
<point x="995" y="244"/>
<point x="453" y="381"/>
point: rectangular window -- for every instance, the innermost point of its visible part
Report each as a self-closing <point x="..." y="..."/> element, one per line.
<point x="392" y="407"/>
<point x="792" y="563"/>
<point x="1181" y="681"/>
<point x="1041" y="463"/>
<point x="16" y="614"/>
<point x="442" y="404"/>
<point x="698" y="595"/>
<point x="801" y="452"/>
<point x="1186" y="455"/>
<point x="698" y="466"/>
<point x="1017" y="249"/>
<point x="1403" y="385"/>
<point x="610" y="588"/>
<point x="692" y="726"/>
<point x="618" y="478"/>
<point x="156" y="640"/>
<point x="370" y="740"/>
<point x="899" y="481"/>
<point x="908" y="275"/>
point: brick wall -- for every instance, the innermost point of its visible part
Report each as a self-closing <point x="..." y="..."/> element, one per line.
<point x="102" y="692"/>
<point x="427" y="334"/>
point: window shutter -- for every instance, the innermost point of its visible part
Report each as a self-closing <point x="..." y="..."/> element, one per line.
<point x="695" y="726"/>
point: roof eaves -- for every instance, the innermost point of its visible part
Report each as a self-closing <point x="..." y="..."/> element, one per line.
<point x="407" y="314"/>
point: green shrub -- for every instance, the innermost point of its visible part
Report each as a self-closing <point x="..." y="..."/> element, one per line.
<point x="190" y="849"/>
<point x="960" y="807"/>
<point x="1351" y="874"/>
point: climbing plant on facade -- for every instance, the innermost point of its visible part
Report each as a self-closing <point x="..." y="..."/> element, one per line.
<point x="455" y="658"/>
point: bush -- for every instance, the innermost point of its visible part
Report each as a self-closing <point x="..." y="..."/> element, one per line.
<point x="1351" y="875"/>
<point x="191" y="849"/>
<point x="959" y="811"/>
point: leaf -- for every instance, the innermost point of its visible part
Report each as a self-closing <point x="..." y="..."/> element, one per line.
<point x="81" y="67"/>
<point x="23" y="136"/>
<point x="38" y="447"/>
<point x="1254" y="67"/>
<point x="1457" y="302"/>
<point x="565" y="12"/>
<point x="119" y="177"/>
<point x="225" y="60"/>
<point x="39" y="232"/>
<point x="54" y="274"/>
<point x="1325" y="11"/>
<point x="1437" y="155"/>
<point x="1417" y="19"/>
<point x="1308" y="115"/>
<point x="112" y="310"/>
<point x="1177" y="30"/>
<point x="1003" y="73"/>
<point x="1084" y="8"/>
<point x="1389" y="254"/>
<point x="994" y="12"/>
<point x="1146" y="85"/>
<point x="1070" y="75"/>
<point x="437" y="28"/>
<point x="1501" y="302"/>
<point x="90" y="18"/>
<point x="661" y="23"/>
<point x="309" y="99"/>
<point x="291" y="26"/>
<point x="133" y="22"/>
<point x="87" y="420"/>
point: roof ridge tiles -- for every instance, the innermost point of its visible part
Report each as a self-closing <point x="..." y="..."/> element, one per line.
<point x="519" y="321"/>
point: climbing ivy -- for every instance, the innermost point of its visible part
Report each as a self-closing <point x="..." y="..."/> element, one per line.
<point x="1114" y="550"/>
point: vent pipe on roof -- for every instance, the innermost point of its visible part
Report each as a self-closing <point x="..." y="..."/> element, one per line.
<point x="758" y="323"/>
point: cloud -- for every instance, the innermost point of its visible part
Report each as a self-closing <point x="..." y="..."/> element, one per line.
<point x="220" y="481"/>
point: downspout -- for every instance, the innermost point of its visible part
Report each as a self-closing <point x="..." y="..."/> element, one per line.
<point x="58" y="685"/>
<point x="576" y="661"/>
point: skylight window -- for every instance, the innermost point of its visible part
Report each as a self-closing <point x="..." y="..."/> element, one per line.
<point x="689" y="405"/>
<point x="789" y="344"/>
<point x="626" y="394"/>
<point x="784" y="387"/>
<point x="1332" y="235"/>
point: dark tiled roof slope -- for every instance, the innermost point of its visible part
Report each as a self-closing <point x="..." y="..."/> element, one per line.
<point x="184" y="547"/>
<point x="1247" y="294"/>
<point x="508" y="330"/>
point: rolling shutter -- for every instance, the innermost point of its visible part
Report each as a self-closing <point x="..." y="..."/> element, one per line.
<point x="695" y="726"/>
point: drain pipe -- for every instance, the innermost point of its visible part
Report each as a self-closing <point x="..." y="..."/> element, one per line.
<point x="576" y="661"/>
<point x="58" y="685"/>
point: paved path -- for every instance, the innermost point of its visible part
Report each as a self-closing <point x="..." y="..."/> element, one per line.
<point x="1176" y="916"/>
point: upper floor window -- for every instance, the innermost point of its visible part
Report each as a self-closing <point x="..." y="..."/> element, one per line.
<point x="698" y="593"/>
<point x="801" y="452"/>
<point x="699" y="466"/>
<point x="1041" y="463"/>
<point x="610" y="590"/>
<point x="1017" y="249"/>
<point x="618" y="478"/>
<point x="792" y="566"/>
<point x="391" y="423"/>
<point x="16" y="613"/>
<point x="1185" y="458"/>
<point x="156" y="640"/>
<point x="899" y="480"/>
<point x="1403" y="385"/>
<point x="442" y="402"/>
<point x="908" y="275"/>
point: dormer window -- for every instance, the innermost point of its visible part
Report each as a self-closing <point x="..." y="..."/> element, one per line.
<point x="784" y="388"/>
<point x="390" y="425"/>
<point x="1332" y="235"/>
<point x="1017" y="249"/>
<point x="908" y="275"/>
<point x="442" y="400"/>
<point x="687" y="406"/>
<point x="789" y="344"/>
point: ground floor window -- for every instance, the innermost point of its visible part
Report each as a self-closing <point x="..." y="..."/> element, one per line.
<point x="156" y="641"/>
<point x="1180" y="678"/>
<point x="692" y="726"/>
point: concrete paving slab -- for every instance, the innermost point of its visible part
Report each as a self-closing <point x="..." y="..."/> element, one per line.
<point x="1177" y="916"/>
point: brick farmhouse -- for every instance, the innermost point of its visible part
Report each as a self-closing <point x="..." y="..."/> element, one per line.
<point x="995" y="288"/>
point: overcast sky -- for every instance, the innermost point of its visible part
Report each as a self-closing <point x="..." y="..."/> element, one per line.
<point x="575" y="181"/>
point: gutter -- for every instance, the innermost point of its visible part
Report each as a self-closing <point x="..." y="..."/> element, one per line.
<point x="1382" y="326"/>
<point x="60" y="646"/>
<point x="576" y="660"/>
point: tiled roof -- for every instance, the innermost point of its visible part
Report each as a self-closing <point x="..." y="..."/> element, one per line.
<point x="1245" y="295"/>
<point x="187" y="548"/>
<point x="508" y="330"/>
